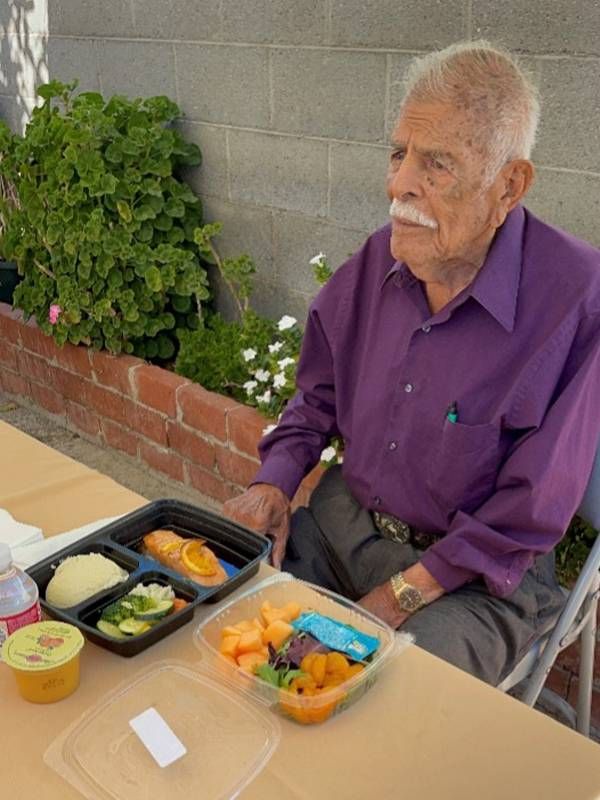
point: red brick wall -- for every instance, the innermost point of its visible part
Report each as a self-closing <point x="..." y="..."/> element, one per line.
<point x="166" y="422"/>
<point x="175" y="427"/>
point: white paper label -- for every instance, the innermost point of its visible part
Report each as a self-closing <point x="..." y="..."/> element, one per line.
<point x="157" y="737"/>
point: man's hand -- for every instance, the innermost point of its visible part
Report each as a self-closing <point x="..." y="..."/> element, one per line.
<point x="265" y="509"/>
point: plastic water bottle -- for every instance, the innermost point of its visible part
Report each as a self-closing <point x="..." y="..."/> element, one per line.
<point x="19" y="597"/>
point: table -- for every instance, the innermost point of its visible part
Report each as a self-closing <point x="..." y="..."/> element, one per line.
<point x="425" y="731"/>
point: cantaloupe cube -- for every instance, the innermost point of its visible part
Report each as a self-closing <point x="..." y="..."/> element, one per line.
<point x="273" y="614"/>
<point x="229" y="645"/>
<point x="244" y="625"/>
<point x="264" y="609"/>
<point x="250" y="641"/>
<point x="292" y="610"/>
<point x="247" y="661"/>
<point x="229" y="630"/>
<point x="258" y="624"/>
<point x="277" y="632"/>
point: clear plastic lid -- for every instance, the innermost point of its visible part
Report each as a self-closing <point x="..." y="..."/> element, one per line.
<point x="210" y="740"/>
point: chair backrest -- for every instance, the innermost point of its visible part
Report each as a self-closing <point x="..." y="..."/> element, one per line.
<point x="589" y="509"/>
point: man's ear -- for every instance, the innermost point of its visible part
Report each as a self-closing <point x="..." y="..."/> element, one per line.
<point x="518" y="176"/>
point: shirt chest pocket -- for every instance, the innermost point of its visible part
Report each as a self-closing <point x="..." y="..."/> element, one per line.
<point x="463" y="466"/>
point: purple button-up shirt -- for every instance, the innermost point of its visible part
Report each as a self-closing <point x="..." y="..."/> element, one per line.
<point x="518" y="351"/>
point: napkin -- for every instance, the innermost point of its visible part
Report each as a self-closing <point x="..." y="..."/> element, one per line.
<point x="25" y="555"/>
<point x="17" y="534"/>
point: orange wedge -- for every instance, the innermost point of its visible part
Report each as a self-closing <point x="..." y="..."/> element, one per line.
<point x="198" y="558"/>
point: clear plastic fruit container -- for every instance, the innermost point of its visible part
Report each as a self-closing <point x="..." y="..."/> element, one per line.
<point x="279" y="590"/>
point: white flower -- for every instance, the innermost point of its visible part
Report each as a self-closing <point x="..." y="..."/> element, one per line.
<point x="279" y="380"/>
<point x="328" y="454"/>
<point x="264" y="398"/>
<point x="262" y="375"/>
<point x="275" y="348"/>
<point x="286" y="322"/>
<point x="268" y="429"/>
<point x="250" y="386"/>
<point x="249" y="354"/>
<point x="317" y="259"/>
<point x="285" y="362"/>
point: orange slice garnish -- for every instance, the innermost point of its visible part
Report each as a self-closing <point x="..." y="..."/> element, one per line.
<point x="198" y="558"/>
<point x="170" y="547"/>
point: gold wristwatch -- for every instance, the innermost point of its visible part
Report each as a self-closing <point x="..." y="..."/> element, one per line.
<point x="409" y="597"/>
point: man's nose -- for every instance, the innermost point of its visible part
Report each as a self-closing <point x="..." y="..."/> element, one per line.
<point x="404" y="179"/>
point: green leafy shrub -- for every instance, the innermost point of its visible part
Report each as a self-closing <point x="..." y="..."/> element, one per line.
<point x="573" y="550"/>
<point x="104" y="232"/>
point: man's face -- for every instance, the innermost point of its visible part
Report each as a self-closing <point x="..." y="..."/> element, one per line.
<point x="437" y="168"/>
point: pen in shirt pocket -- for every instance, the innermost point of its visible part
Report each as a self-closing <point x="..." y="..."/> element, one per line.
<point x="452" y="412"/>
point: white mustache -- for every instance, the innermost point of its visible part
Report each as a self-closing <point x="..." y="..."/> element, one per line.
<point x="406" y="211"/>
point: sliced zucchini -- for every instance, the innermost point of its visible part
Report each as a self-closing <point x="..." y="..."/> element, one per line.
<point x="110" y="630"/>
<point x="134" y="627"/>
<point x="160" y="610"/>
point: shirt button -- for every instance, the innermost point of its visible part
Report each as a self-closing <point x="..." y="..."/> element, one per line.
<point x="377" y="501"/>
<point x="393" y="445"/>
<point x="426" y="328"/>
<point x="408" y="387"/>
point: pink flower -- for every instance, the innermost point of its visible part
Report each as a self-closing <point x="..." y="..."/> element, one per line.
<point x="54" y="313"/>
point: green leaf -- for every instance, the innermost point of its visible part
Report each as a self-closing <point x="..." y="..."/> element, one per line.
<point x="153" y="279"/>
<point x="175" y="208"/>
<point x="124" y="210"/>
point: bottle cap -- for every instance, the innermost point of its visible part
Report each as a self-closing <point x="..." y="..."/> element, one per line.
<point x="5" y="557"/>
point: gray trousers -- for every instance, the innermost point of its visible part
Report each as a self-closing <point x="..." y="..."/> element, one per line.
<point x="335" y="544"/>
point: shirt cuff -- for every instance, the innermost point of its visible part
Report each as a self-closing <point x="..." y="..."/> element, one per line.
<point x="276" y="471"/>
<point x="449" y="576"/>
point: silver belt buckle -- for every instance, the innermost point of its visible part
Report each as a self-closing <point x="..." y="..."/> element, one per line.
<point x="392" y="528"/>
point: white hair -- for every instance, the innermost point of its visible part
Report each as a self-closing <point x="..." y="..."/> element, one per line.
<point x="490" y="86"/>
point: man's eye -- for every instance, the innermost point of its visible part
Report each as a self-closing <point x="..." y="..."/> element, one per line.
<point x="436" y="165"/>
<point x="397" y="155"/>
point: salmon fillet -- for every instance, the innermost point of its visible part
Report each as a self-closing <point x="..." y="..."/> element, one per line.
<point x="165" y="547"/>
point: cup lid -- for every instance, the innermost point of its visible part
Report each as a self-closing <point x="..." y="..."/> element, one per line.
<point x="171" y="731"/>
<point x="42" y="646"/>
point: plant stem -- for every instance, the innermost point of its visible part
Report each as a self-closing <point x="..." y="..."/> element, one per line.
<point x="45" y="270"/>
<point x="228" y="283"/>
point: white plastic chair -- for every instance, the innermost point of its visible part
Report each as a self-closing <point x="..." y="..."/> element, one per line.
<point x="578" y="619"/>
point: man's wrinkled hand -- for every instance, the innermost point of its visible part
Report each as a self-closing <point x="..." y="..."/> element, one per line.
<point x="382" y="602"/>
<point x="265" y="509"/>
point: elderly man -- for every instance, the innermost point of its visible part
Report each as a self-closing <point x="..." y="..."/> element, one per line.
<point x="457" y="354"/>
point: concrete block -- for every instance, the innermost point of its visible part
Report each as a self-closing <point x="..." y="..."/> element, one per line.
<point x="329" y="93"/>
<point x="90" y="17"/>
<point x="15" y="111"/>
<point x="24" y="16"/>
<point x="211" y="178"/>
<point x="570" y="200"/>
<point x="298" y="22"/>
<point x="397" y="65"/>
<point x="218" y="83"/>
<point x="570" y="128"/>
<point x="540" y="26"/>
<point x="296" y="239"/>
<point x="246" y="229"/>
<point x="357" y="194"/>
<point x="195" y="20"/>
<point x="404" y="26"/>
<point x="74" y="58"/>
<point x="274" y="300"/>
<point x="137" y="69"/>
<point x="278" y="171"/>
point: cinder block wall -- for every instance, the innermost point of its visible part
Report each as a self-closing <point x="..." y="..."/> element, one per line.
<point x="292" y="101"/>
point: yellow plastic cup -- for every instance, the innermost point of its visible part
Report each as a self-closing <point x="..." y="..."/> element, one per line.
<point x="44" y="658"/>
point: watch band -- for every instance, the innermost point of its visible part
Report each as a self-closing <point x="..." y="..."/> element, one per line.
<point x="409" y="597"/>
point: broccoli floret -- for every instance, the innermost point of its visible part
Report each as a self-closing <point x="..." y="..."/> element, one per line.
<point x="139" y="603"/>
<point x="116" y="613"/>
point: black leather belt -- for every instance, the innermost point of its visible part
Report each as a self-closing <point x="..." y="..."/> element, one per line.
<point x="396" y="530"/>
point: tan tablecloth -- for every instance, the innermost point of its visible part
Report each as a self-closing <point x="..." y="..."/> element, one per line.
<point x="425" y="731"/>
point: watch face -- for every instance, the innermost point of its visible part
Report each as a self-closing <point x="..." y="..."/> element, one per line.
<point x="410" y="599"/>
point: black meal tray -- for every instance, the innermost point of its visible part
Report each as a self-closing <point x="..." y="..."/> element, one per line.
<point x="120" y="540"/>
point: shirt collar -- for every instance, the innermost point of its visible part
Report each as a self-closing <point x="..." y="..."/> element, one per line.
<point x="496" y="285"/>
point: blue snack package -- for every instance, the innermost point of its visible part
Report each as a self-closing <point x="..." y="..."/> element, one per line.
<point x="337" y="636"/>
